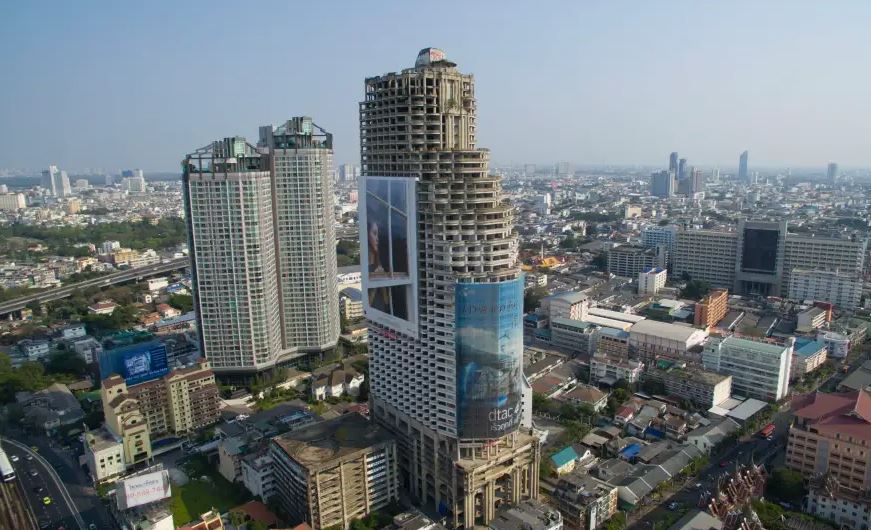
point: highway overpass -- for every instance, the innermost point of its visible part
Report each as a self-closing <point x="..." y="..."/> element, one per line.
<point x="127" y="275"/>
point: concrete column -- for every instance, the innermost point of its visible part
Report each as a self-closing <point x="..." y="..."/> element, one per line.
<point x="516" y="484"/>
<point x="489" y="501"/>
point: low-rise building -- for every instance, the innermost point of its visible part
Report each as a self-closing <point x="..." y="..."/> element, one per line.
<point x="104" y="454"/>
<point x="564" y="460"/>
<point x="810" y="319"/>
<point x="568" y="305"/>
<point x="807" y="356"/>
<point x="651" y="280"/>
<point x="609" y="369"/>
<point x="613" y="342"/>
<point x="649" y="339"/>
<point x="73" y="331"/>
<point x="584" y="501"/>
<point x="846" y="507"/>
<point x="702" y="387"/>
<point x="103" y="307"/>
<point x="50" y="408"/>
<point x="575" y="336"/>
<point x="586" y="395"/>
<point x="758" y="369"/>
<point x="711" y="309"/>
<point x="837" y="344"/>
<point x="258" y="475"/>
<point x="858" y="380"/>
<point x="33" y="350"/>
<point x="351" y="303"/>
<point x="527" y="515"/>
<point x="707" y="437"/>
<point x="333" y="472"/>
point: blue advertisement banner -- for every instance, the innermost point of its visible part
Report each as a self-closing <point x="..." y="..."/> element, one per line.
<point x="489" y="346"/>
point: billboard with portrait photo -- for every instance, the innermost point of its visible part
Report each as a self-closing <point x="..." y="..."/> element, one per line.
<point x="489" y="346"/>
<point x="387" y="251"/>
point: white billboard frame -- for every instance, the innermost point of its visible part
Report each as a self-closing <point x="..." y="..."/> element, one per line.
<point x="410" y="326"/>
<point x="143" y="489"/>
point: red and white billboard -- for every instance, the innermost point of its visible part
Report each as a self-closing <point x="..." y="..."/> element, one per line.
<point x="142" y="489"/>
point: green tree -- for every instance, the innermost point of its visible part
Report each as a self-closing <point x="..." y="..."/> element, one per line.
<point x="182" y="302"/>
<point x="616" y="522"/>
<point x="66" y="362"/>
<point x="785" y="485"/>
<point x="695" y="290"/>
<point x="600" y="262"/>
<point x="532" y="298"/>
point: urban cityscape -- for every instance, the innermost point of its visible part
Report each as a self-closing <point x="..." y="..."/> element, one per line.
<point x="539" y="340"/>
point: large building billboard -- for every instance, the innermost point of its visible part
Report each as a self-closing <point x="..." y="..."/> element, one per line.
<point x="136" y="363"/>
<point x="142" y="489"/>
<point x="489" y="344"/>
<point x="388" y="246"/>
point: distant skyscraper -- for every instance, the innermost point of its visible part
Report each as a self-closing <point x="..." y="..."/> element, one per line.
<point x="681" y="169"/>
<point x="56" y="181"/>
<point x="444" y="310"/>
<point x="348" y="172"/>
<point x="832" y="172"/>
<point x="743" y="174"/>
<point x="263" y="247"/>
<point x="662" y="184"/>
<point x="563" y="169"/>
<point x="697" y="181"/>
<point x="672" y="163"/>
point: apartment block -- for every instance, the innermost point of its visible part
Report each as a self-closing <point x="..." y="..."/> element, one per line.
<point x="844" y="290"/>
<point x="706" y="255"/>
<point x="608" y="369"/>
<point x="704" y="388"/>
<point x="104" y="454"/>
<point x="630" y="260"/>
<point x="575" y="336"/>
<point x="807" y="356"/>
<point x="831" y="434"/>
<point x="711" y="309"/>
<point x="649" y="339"/>
<point x="651" y="280"/>
<point x="569" y="305"/>
<point x="584" y="501"/>
<point x="333" y="472"/>
<point x="758" y="369"/>
<point x="181" y="402"/>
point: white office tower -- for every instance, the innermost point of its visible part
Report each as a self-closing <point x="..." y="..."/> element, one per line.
<point x="263" y="248"/>
<point x="57" y="182"/>
<point x="443" y="296"/>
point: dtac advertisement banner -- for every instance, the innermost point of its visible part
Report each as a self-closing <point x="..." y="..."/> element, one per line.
<point x="137" y="363"/>
<point x="489" y="344"/>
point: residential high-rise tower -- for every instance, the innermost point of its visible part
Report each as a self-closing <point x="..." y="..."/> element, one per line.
<point x="443" y="295"/>
<point x="263" y="249"/>
<point x="832" y="172"/>
<point x="672" y="162"/>
<point x="56" y="181"/>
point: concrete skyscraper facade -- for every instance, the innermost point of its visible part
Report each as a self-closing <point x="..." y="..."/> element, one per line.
<point x="681" y="169"/>
<point x="743" y="174"/>
<point x="263" y="249"/>
<point x="662" y="184"/>
<point x="672" y="162"/>
<point x="446" y="383"/>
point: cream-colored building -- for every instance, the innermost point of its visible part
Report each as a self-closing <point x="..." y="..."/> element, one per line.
<point x="649" y="339"/>
<point x="124" y="419"/>
<point x="104" y="453"/>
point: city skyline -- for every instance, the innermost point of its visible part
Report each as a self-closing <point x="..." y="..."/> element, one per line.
<point x="604" y="103"/>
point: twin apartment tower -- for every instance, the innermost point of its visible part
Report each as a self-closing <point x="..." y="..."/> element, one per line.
<point x="442" y="287"/>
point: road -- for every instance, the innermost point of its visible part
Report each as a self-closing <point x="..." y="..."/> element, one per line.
<point x="39" y="483"/>
<point x="103" y="281"/>
<point x="64" y="472"/>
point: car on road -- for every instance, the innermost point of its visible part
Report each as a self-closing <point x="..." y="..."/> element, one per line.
<point x="34" y="449"/>
<point x="38" y="489"/>
<point x="698" y="485"/>
<point x="28" y="456"/>
<point x="46" y="500"/>
<point x="92" y="526"/>
<point x="673" y="506"/>
<point x="14" y="458"/>
<point x="34" y="473"/>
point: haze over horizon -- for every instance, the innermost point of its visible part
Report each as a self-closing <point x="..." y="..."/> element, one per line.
<point x="99" y="84"/>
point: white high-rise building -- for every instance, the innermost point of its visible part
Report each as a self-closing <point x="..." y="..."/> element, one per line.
<point x="263" y="247"/>
<point x="842" y="289"/>
<point x="443" y="295"/>
<point x="10" y="202"/>
<point x="758" y="369"/>
<point x="56" y="181"/>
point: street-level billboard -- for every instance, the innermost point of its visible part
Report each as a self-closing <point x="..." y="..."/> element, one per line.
<point x="142" y="489"/>
<point x="388" y="251"/>
<point x="489" y="344"/>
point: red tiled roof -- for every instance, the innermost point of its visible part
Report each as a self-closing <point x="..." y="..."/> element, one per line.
<point x="546" y="384"/>
<point x="847" y="413"/>
<point x="257" y="511"/>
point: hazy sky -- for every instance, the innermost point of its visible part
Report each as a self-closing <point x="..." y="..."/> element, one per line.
<point x="139" y="84"/>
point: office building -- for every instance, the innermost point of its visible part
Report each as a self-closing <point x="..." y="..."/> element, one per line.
<point x="759" y="257"/>
<point x="10" y="202"/>
<point x="832" y="172"/>
<point x="56" y="182"/>
<point x="348" y="172"/>
<point x="609" y="369"/>
<point x="672" y="163"/>
<point x="844" y="290"/>
<point x="830" y="436"/>
<point x="181" y="402"/>
<point x="743" y="174"/>
<point x="696" y="181"/>
<point x="681" y="169"/>
<point x="758" y="369"/>
<point x="651" y="280"/>
<point x="662" y="184"/>
<point x="574" y="336"/>
<point x="584" y="501"/>
<point x="630" y="260"/>
<point x="423" y="286"/>
<point x="263" y="250"/>
<point x="711" y="309"/>
<point x="133" y="181"/>
<point x="571" y="305"/>
<point x="333" y="472"/>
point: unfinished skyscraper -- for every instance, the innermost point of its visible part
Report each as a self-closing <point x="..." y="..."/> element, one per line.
<point x="443" y="295"/>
